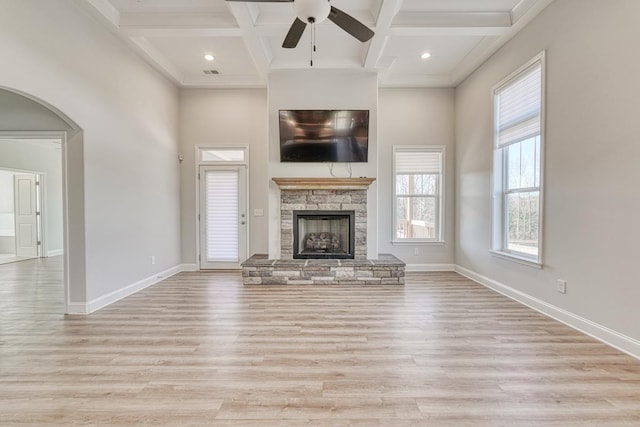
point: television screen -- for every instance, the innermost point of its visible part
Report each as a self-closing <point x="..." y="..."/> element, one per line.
<point x="324" y="135"/>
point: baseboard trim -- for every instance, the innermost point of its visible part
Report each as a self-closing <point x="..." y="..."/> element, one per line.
<point x="429" y="267"/>
<point x="608" y="336"/>
<point x="74" y="308"/>
<point x="110" y="298"/>
<point x="188" y="267"/>
<point x="55" y="252"/>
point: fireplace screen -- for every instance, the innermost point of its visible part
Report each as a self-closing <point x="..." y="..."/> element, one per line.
<point x="323" y="234"/>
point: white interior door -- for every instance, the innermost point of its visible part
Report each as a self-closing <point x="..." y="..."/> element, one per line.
<point x="26" y="215"/>
<point x="223" y="216"/>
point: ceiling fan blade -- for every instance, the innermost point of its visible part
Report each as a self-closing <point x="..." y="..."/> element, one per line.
<point x="294" y="34"/>
<point x="350" y="24"/>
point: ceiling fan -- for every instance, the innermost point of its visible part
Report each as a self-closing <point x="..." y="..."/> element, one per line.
<point x="314" y="12"/>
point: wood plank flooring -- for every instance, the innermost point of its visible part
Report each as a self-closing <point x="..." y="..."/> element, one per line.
<point x="200" y="349"/>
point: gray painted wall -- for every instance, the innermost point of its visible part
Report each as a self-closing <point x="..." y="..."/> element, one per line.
<point x="416" y="117"/>
<point x="219" y="117"/>
<point x="591" y="200"/>
<point x="124" y="171"/>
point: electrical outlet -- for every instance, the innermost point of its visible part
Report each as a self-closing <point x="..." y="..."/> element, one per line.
<point x="153" y="260"/>
<point x="562" y="286"/>
<point x="416" y="252"/>
<point x="258" y="212"/>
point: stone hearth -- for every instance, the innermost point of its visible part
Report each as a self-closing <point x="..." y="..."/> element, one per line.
<point x="259" y="270"/>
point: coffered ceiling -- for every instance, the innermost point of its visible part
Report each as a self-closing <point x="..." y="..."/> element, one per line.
<point x="245" y="38"/>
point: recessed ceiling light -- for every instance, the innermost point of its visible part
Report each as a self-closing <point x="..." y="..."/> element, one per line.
<point x="425" y="55"/>
<point x="209" y="57"/>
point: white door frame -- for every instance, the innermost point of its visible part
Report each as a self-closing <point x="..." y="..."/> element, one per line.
<point x="198" y="164"/>
<point x="242" y="218"/>
<point x="62" y="137"/>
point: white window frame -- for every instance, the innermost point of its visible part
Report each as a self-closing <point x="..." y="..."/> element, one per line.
<point x="202" y="148"/>
<point x="498" y="191"/>
<point x="440" y="202"/>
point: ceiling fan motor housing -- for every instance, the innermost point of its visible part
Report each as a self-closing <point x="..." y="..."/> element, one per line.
<point x="312" y="11"/>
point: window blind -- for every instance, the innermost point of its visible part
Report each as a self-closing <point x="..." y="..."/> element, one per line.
<point x="519" y="105"/>
<point x="418" y="162"/>
<point x="222" y="215"/>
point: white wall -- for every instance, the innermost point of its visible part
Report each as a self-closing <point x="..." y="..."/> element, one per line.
<point x="55" y="51"/>
<point x="7" y="223"/>
<point x="236" y="117"/>
<point x="35" y="156"/>
<point x="7" y="218"/>
<point x="322" y="90"/>
<point x="591" y="199"/>
<point x="416" y="117"/>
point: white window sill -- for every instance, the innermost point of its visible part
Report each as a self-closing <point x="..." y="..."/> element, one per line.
<point x="518" y="259"/>
<point x="418" y="242"/>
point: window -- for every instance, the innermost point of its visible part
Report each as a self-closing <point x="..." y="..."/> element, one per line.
<point x="418" y="193"/>
<point x="223" y="155"/>
<point x="517" y="163"/>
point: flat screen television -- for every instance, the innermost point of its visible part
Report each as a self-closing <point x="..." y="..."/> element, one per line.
<point x="324" y="135"/>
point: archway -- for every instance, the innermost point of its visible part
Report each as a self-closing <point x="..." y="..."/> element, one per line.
<point x="25" y="116"/>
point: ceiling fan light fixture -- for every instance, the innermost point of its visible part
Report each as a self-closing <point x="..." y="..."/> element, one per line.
<point x="312" y="11"/>
<point x="209" y="57"/>
<point x="425" y="55"/>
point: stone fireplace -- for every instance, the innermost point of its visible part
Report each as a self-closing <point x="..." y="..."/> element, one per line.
<point x="347" y="196"/>
<point x="323" y="238"/>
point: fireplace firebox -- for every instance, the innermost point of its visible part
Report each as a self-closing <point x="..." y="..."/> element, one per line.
<point x="323" y="234"/>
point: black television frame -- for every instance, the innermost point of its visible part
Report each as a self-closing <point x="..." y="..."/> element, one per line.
<point x="323" y="144"/>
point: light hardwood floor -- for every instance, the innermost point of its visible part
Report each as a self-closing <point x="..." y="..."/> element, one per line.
<point x="200" y="349"/>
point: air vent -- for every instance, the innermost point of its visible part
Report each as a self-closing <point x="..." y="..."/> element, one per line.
<point x="211" y="71"/>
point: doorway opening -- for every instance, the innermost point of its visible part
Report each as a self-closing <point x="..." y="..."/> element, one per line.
<point x="31" y="218"/>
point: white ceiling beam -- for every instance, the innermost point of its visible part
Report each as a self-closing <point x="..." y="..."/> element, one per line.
<point x="167" y="67"/>
<point x="107" y="11"/>
<point x="449" y="32"/>
<point x="384" y="66"/>
<point x="475" y="57"/>
<point x="109" y="14"/>
<point x="181" y="32"/>
<point x="281" y="20"/>
<point x="524" y="6"/>
<point x="176" y="19"/>
<point x="416" y="80"/>
<point x="179" y="25"/>
<point x="386" y="15"/>
<point x="260" y="53"/>
<point x="224" y="81"/>
<point x="345" y="63"/>
<point x="453" y="19"/>
<point x="522" y="14"/>
<point x="430" y="24"/>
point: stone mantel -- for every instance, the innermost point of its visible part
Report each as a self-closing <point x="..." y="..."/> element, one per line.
<point x="323" y="183"/>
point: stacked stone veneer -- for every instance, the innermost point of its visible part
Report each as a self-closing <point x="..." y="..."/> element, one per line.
<point x="259" y="270"/>
<point x="321" y="200"/>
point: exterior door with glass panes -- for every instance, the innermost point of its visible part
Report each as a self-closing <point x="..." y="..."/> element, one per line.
<point x="223" y="217"/>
